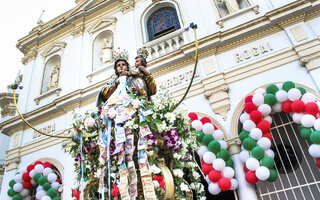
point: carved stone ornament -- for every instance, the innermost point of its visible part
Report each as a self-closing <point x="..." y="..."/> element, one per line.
<point x="77" y="30"/>
<point x="29" y="56"/>
<point x="126" y="5"/>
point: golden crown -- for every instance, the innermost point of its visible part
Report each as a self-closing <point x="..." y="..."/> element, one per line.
<point x="120" y="55"/>
<point x="143" y="52"/>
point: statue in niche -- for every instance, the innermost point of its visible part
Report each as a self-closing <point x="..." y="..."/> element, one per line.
<point x="232" y="5"/>
<point x="106" y="51"/>
<point x="54" y="78"/>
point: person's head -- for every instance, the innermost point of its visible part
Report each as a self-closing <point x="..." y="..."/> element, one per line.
<point x="121" y="65"/>
<point x="141" y="61"/>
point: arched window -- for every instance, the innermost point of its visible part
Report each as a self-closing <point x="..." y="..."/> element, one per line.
<point x="102" y="50"/>
<point x="163" y="21"/>
<point x="50" y="78"/>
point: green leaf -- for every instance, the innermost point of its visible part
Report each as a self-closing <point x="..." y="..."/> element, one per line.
<point x="142" y="97"/>
<point x="148" y="118"/>
<point x="157" y="121"/>
<point x="132" y="96"/>
<point x="143" y="123"/>
<point x="154" y="127"/>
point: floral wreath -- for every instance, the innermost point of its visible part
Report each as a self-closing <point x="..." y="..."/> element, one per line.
<point x="217" y="164"/>
<point x="40" y="174"/>
<point x="256" y="139"/>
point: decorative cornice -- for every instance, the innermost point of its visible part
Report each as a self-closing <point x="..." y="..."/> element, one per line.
<point x="29" y="56"/>
<point x="77" y="30"/>
<point x="126" y="5"/>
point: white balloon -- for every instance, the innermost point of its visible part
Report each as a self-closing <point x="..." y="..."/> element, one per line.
<point x="252" y="164"/>
<point x="234" y="184"/>
<point x="207" y="128"/>
<point x="279" y="85"/>
<point x="33" y="182"/>
<point x="219" y="164"/>
<point x="18" y="178"/>
<point x="218" y="135"/>
<point x="202" y="150"/>
<point x="244" y="116"/>
<point x="24" y="192"/>
<point x="264" y="142"/>
<point x="255" y="133"/>
<point x="40" y="194"/>
<point x="244" y="156"/>
<point x="47" y="171"/>
<point x="268" y="119"/>
<point x="277" y="107"/>
<point x="248" y="125"/>
<point x="281" y="96"/>
<point x="38" y="168"/>
<point x="296" y="117"/>
<point x="55" y="185"/>
<point x="208" y="157"/>
<point x="39" y="188"/>
<point x="260" y="91"/>
<point x="262" y="173"/>
<point x="52" y="177"/>
<point x="23" y="170"/>
<point x="214" y="188"/>
<point x="265" y="109"/>
<point x="294" y="94"/>
<point x="223" y="144"/>
<point x="32" y="173"/>
<point x="197" y="124"/>
<point x="17" y="187"/>
<point x="228" y="172"/>
<point x="308" y="120"/>
<point x="314" y="150"/>
<point x="258" y="99"/>
<point x="317" y="124"/>
<point x="46" y="198"/>
<point x="207" y="179"/>
<point x="308" y="97"/>
<point x="270" y="153"/>
<point x="27" y="198"/>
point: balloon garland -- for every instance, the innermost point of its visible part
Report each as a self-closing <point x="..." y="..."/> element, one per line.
<point x="40" y="174"/>
<point x="256" y="139"/>
<point x="217" y="165"/>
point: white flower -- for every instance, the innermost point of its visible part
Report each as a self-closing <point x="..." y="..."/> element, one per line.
<point x="203" y="198"/>
<point x="184" y="187"/>
<point x="178" y="173"/>
<point x="156" y="184"/>
<point x="135" y="126"/>
<point x="155" y="169"/>
<point x="171" y="117"/>
<point x="98" y="173"/>
<point x="195" y="174"/>
<point x="176" y="156"/>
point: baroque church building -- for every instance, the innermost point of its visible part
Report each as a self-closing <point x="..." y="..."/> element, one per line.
<point x="244" y="47"/>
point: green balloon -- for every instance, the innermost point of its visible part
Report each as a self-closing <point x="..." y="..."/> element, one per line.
<point x="200" y="136"/>
<point x="207" y="139"/>
<point x="46" y="186"/>
<point x="299" y="126"/>
<point x="214" y="146"/>
<point x="243" y="135"/>
<point x="273" y="175"/>
<point x="258" y="152"/>
<point x="272" y="89"/>
<point x="223" y="154"/>
<point x="52" y="192"/>
<point x="315" y="137"/>
<point x="288" y="85"/>
<point x="42" y="180"/>
<point x="17" y="197"/>
<point x="230" y="163"/>
<point x="267" y="162"/>
<point x="11" y="183"/>
<point x="11" y="192"/>
<point x="56" y="198"/>
<point x="302" y="90"/>
<point x="270" y="99"/>
<point x="305" y="133"/>
<point x="36" y="177"/>
<point x="249" y="143"/>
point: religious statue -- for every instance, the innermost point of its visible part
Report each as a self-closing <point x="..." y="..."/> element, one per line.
<point x="232" y="5"/>
<point x="106" y="51"/>
<point x="54" y="78"/>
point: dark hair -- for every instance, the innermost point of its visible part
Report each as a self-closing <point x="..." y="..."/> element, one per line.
<point x="115" y="65"/>
<point x="144" y="61"/>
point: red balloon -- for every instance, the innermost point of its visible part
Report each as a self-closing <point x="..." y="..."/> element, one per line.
<point x="30" y="167"/>
<point x="251" y="177"/>
<point x="311" y="108"/>
<point x="267" y="135"/>
<point x="47" y="164"/>
<point x="286" y="106"/>
<point x="205" y="120"/>
<point x="256" y="116"/>
<point x="58" y="180"/>
<point x="248" y="99"/>
<point x="297" y="106"/>
<point x="27" y="185"/>
<point x="318" y="163"/>
<point x="206" y="168"/>
<point x="202" y="161"/>
<point x="26" y="177"/>
<point x="214" y="175"/>
<point x="318" y="115"/>
<point x="193" y="116"/>
<point x="215" y="127"/>
<point x="224" y="184"/>
<point x="249" y="107"/>
<point x="38" y="162"/>
<point x="264" y="126"/>
<point x="245" y="169"/>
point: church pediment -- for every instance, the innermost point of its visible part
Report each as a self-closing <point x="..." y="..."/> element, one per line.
<point x="53" y="48"/>
<point x="102" y="23"/>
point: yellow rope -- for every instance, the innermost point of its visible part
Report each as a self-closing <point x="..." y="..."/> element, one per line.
<point x="15" y="105"/>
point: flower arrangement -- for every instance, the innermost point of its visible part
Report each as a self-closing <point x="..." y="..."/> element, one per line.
<point x="256" y="123"/>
